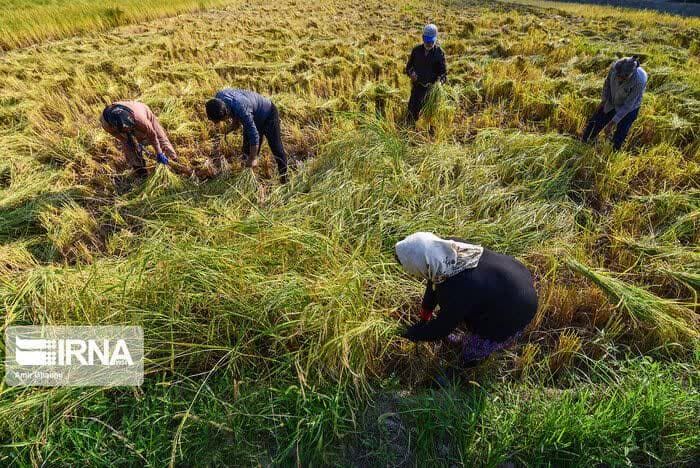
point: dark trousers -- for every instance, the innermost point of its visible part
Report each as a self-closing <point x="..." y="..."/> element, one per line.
<point x="601" y="118"/>
<point x="416" y="101"/>
<point x="271" y="130"/>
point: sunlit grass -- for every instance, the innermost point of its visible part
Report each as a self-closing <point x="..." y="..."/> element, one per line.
<point x="25" y="22"/>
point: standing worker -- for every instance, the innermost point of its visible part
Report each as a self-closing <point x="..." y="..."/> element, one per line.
<point x="260" y="119"/>
<point x="425" y="66"/>
<point x="622" y="96"/>
<point x="135" y="126"/>
<point x="492" y="294"/>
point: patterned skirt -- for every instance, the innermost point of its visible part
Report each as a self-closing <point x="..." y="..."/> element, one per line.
<point x="476" y="348"/>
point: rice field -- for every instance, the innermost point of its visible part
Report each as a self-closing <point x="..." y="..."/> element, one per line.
<point x="28" y="22"/>
<point x="272" y="312"/>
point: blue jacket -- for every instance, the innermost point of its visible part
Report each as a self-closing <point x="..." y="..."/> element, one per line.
<point x="250" y="108"/>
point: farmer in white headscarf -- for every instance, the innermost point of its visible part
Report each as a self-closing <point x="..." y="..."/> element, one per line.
<point x="491" y="294"/>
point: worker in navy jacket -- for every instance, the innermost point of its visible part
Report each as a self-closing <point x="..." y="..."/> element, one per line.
<point x="259" y="118"/>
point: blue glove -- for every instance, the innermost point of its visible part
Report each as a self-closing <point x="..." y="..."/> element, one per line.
<point x="161" y="158"/>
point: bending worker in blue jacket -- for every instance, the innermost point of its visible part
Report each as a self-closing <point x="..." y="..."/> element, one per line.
<point x="622" y="96"/>
<point x="491" y="294"/>
<point x="259" y="118"/>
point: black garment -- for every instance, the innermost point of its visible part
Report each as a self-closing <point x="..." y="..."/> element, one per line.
<point x="270" y="128"/>
<point x="415" y="102"/>
<point x="495" y="300"/>
<point x="429" y="65"/>
<point x="600" y="119"/>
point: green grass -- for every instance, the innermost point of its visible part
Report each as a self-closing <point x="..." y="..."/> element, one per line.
<point x="643" y="413"/>
<point x="271" y="312"/>
<point x="634" y="417"/>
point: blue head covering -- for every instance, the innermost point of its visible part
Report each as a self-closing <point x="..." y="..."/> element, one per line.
<point x="430" y="33"/>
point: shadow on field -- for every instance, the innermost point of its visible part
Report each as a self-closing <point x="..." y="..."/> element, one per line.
<point x="401" y="424"/>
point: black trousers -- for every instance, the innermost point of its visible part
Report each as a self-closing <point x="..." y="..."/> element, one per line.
<point x="271" y="129"/>
<point x="601" y="118"/>
<point x="416" y="101"/>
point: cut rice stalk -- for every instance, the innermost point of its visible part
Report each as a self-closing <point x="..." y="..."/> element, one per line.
<point x="162" y="181"/>
<point x="667" y="320"/>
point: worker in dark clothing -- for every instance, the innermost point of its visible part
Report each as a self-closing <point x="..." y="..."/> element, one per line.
<point x="425" y="66"/>
<point x="491" y="294"/>
<point x="259" y="118"/>
<point x="623" y="91"/>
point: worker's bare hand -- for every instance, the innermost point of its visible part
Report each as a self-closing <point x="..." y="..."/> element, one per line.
<point x="414" y="77"/>
<point x="252" y="159"/>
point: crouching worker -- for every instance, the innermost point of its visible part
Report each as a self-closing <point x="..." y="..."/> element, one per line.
<point x="491" y="294"/>
<point x="135" y="126"/>
<point x="622" y="96"/>
<point x="259" y="118"/>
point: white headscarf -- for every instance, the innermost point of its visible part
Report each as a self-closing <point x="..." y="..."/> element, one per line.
<point x="427" y="256"/>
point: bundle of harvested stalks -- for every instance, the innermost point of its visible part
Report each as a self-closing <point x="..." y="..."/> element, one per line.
<point x="667" y="320"/>
<point x="437" y="111"/>
<point x="689" y="278"/>
<point x="247" y="185"/>
<point x="372" y="91"/>
<point x="433" y="102"/>
<point x="162" y="181"/>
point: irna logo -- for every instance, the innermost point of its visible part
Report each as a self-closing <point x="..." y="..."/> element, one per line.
<point x="75" y="356"/>
<point x="67" y="352"/>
